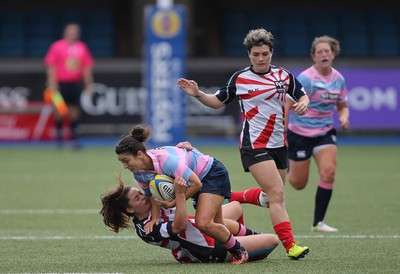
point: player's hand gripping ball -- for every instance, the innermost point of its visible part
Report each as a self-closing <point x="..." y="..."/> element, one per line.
<point x="162" y="187"/>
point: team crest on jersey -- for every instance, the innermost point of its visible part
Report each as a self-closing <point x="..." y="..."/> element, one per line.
<point x="280" y="86"/>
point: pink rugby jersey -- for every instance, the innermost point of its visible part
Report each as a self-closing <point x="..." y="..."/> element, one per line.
<point x="173" y="161"/>
<point x="261" y="99"/>
<point x="324" y="93"/>
<point x="70" y="60"/>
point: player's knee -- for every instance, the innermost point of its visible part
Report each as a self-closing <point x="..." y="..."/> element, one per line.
<point x="235" y="206"/>
<point x="276" y="195"/>
<point x="203" y="225"/>
<point x="328" y="174"/>
<point x="297" y="184"/>
<point x="298" y="181"/>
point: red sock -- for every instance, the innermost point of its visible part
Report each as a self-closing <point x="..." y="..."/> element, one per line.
<point x="248" y="196"/>
<point x="284" y="232"/>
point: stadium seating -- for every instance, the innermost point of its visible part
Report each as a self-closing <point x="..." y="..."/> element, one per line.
<point x="12" y="34"/>
<point x="361" y="33"/>
<point x="29" y="34"/>
<point x="374" y="33"/>
<point x="384" y="34"/>
<point x="295" y="33"/>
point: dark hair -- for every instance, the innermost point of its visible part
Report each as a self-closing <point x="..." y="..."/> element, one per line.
<point x="115" y="202"/>
<point x="259" y="37"/>
<point x="133" y="142"/>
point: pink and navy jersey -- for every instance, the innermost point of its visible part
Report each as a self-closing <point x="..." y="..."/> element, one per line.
<point x="190" y="246"/>
<point x="325" y="92"/>
<point x="174" y="161"/>
<point x="262" y="99"/>
<point x="70" y="60"/>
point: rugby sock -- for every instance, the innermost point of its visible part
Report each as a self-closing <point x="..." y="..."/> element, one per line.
<point x="232" y="244"/>
<point x="244" y="231"/>
<point x="248" y="196"/>
<point x="322" y="199"/>
<point x="284" y="232"/>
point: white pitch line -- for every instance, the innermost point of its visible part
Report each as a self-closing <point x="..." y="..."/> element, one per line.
<point x="30" y="238"/>
<point x="40" y="238"/>
<point x="47" y="211"/>
<point x="349" y="236"/>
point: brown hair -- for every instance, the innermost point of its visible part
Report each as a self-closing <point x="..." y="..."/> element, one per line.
<point x="133" y="142"/>
<point x="333" y="43"/>
<point x="259" y="37"/>
<point x="115" y="202"/>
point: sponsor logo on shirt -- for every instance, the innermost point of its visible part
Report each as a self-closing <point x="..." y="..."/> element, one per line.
<point x="329" y="96"/>
<point x="280" y="86"/>
<point x="252" y="90"/>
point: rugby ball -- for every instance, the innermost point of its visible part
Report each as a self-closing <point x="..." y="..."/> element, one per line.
<point x="162" y="187"/>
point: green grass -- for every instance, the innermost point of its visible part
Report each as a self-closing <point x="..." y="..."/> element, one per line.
<point x="49" y="221"/>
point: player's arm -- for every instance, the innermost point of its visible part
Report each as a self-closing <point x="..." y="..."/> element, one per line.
<point x="343" y="113"/>
<point x="301" y="106"/>
<point x="289" y="102"/>
<point x="181" y="216"/>
<point x="186" y="145"/>
<point x="194" y="187"/>
<point x="155" y="216"/>
<point x="191" y="88"/>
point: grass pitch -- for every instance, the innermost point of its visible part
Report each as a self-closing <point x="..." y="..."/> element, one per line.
<point x="49" y="204"/>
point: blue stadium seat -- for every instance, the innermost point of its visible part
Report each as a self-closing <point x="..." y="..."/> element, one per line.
<point x="234" y="28"/>
<point x="42" y="23"/>
<point x="98" y="32"/>
<point x="233" y="44"/>
<point x="323" y="23"/>
<point x="354" y="39"/>
<point x="12" y="17"/>
<point x="12" y="34"/>
<point x="41" y="32"/>
<point x="37" y="47"/>
<point x="12" y="47"/>
<point x="101" y="46"/>
<point x="384" y="31"/>
<point x="65" y="17"/>
<point x="295" y="34"/>
<point x="269" y="20"/>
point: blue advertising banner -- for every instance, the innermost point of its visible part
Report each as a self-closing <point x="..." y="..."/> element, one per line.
<point x="165" y="54"/>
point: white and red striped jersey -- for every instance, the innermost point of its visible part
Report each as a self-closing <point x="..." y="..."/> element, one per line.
<point x="262" y="103"/>
<point x="190" y="246"/>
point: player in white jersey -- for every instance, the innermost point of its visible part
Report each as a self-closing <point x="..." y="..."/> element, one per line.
<point x="261" y="90"/>
<point x="313" y="134"/>
<point x="177" y="231"/>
